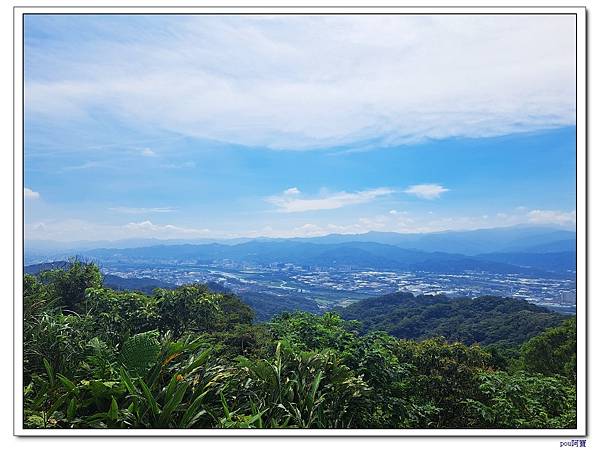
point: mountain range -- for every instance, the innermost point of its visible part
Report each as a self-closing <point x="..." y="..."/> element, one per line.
<point x="532" y="251"/>
<point x="356" y="255"/>
<point x="470" y="242"/>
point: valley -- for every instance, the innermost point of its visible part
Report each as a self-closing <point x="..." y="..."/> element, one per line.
<point x="317" y="274"/>
<point x="330" y="287"/>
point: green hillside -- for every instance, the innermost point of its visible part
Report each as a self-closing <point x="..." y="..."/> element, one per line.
<point x="482" y="320"/>
<point x="193" y="358"/>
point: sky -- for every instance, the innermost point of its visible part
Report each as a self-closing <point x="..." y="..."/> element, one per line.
<point x="194" y="127"/>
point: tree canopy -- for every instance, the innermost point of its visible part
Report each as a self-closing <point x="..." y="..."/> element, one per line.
<point x="483" y="320"/>
<point x="192" y="358"/>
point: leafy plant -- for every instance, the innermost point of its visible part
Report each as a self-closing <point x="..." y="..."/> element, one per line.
<point x="184" y="358"/>
<point x="140" y="351"/>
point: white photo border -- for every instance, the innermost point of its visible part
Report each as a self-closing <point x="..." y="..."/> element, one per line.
<point x="581" y="211"/>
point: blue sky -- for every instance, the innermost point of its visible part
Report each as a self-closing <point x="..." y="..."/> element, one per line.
<point x="224" y="126"/>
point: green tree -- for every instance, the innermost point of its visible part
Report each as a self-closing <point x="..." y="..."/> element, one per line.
<point x="521" y="401"/>
<point x="69" y="286"/>
<point x="187" y="308"/>
<point x="190" y="357"/>
<point x="553" y="352"/>
<point x="440" y="376"/>
<point x="307" y="331"/>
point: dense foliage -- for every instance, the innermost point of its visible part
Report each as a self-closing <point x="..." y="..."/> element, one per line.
<point x="553" y="351"/>
<point x="264" y="305"/>
<point x="193" y="358"/>
<point x="482" y="320"/>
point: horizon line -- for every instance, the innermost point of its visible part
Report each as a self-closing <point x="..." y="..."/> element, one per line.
<point x="246" y="237"/>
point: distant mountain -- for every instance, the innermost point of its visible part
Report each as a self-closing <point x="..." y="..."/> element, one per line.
<point x="358" y="255"/>
<point x="541" y="241"/>
<point x="531" y="251"/>
<point x="145" y="285"/>
<point x="40" y="245"/>
<point x="565" y="245"/>
<point x="483" y="320"/>
<point x="44" y="250"/>
<point x="266" y="305"/>
<point x="35" y="269"/>
<point x="472" y="242"/>
<point x="552" y="261"/>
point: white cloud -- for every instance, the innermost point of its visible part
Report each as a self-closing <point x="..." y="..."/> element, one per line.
<point x="291" y="202"/>
<point x="148" y="152"/>
<point x="551" y="217"/>
<point x="291" y="191"/>
<point x="308" y="229"/>
<point x="183" y="165"/>
<point x="408" y="222"/>
<point x="69" y="230"/>
<point x="147" y="227"/>
<point x="83" y="166"/>
<point x="412" y="222"/>
<point x="317" y="81"/>
<point x="30" y="195"/>
<point x="130" y="210"/>
<point x="377" y="223"/>
<point x="426" y="191"/>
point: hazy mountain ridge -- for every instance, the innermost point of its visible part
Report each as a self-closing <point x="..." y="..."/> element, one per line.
<point x="532" y="252"/>
<point x="364" y="255"/>
<point x="471" y="242"/>
<point x="553" y="261"/>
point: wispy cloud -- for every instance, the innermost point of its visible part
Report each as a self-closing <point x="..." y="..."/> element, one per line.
<point x="30" y="194"/>
<point x="480" y="76"/>
<point x="426" y="191"/>
<point x="76" y="229"/>
<point x="407" y="222"/>
<point x="551" y="217"/>
<point x="133" y="106"/>
<point x="83" y="166"/>
<point x="131" y="210"/>
<point x="292" y="200"/>
<point x="183" y="165"/>
<point x="146" y="227"/>
<point x="292" y="191"/>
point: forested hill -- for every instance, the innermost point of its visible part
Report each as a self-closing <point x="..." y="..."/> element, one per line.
<point x="484" y="320"/>
<point x="192" y="358"/>
<point x="266" y="306"/>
